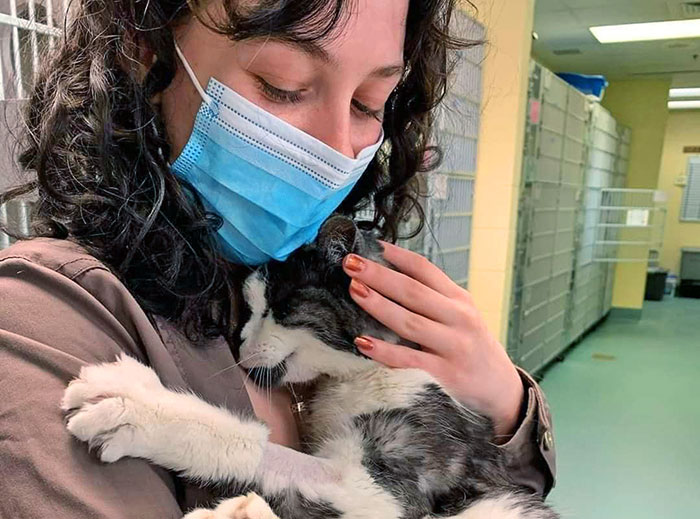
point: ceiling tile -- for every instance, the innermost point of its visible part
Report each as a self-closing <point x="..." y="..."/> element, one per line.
<point x="564" y="24"/>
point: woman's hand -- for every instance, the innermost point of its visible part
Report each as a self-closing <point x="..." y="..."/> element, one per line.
<point x="421" y="304"/>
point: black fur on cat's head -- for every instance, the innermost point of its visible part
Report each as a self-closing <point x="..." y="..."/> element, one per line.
<point x="300" y="321"/>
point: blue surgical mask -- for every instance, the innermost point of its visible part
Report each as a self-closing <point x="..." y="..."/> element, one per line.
<point x="272" y="184"/>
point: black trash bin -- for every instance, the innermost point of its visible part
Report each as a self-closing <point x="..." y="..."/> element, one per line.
<point x="656" y="284"/>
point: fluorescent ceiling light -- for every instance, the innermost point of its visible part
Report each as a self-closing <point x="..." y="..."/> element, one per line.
<point x="683" y="93"/>
<point x="684" y="105"/>
<point x="647" y="31"/>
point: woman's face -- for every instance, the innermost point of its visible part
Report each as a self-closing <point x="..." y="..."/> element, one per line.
<point x="334" y="90"/>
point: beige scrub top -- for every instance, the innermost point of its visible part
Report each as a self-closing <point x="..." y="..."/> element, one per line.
<point x="60" y="309"/>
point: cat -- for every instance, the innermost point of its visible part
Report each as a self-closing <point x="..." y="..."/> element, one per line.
<point x="381" y="443"/>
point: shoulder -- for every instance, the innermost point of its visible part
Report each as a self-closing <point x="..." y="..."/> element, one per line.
<point x="56" y="290"/>
<point x="62" y="256"/>
<point x="62" y="301"/>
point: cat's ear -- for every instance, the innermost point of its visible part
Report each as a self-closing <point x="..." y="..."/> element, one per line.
<point x="338" y="237"/>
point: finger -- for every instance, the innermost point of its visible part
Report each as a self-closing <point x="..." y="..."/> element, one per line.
<point x="421" y="269"/>
<point x="408" y="325"/>
<point x="395" y="356"/>
<point x="405" y="291"/>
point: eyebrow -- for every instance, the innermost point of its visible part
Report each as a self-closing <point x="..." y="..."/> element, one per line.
<point x="317" y="51"/>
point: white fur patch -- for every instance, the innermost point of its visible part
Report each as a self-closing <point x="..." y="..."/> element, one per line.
<point x="267" y="344"/>
<point x="375" y="389"/>
<point x="312" y="357"/>
<point x="502" y="507"/>
<point x="254" y="295"/>
<point x="122" y="409"/>
<point x="250" y="506"/>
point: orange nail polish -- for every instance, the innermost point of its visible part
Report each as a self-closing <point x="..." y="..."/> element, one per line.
<point x="359" y="289"/>
<point x="364" y="343"/>
<point x="354" y="263"/>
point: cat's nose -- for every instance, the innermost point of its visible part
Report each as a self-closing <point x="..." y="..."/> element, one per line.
<point x="254" y="353"/>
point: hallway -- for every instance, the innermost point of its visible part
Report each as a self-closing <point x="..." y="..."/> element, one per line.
<point x="626" y="406"/>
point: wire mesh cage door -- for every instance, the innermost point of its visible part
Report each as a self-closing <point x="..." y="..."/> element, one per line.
<point x="449" y="206"/>
<point x="606" y="167"/>
<point x="630" y="225"/>
<point x="27" y="28"/>
<point x="445" y="240"/>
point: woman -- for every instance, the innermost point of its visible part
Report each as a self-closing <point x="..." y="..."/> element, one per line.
<point x="139" y="254"/>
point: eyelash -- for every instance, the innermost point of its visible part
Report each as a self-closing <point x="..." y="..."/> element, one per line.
<point x="279" y="95"/>
<point x="368" y="112"/>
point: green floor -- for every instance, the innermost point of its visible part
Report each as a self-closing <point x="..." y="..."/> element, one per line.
<point x="626" y="406"/>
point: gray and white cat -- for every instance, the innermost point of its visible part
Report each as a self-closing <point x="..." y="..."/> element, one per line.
<point x="381" y="443"/>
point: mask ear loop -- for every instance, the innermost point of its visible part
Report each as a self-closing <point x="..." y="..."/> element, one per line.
<point x="205" y="97"/>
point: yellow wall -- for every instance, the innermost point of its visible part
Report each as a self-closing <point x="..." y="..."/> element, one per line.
<point x="641" y="105"/>
<point x="683" y="130"/>
<point x="501" y="137"/>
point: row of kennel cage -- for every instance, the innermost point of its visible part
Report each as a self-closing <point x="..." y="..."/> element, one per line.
<point x="553" y="172"/>
<point x="574" y="149"/>
<point x="606" y="168"/>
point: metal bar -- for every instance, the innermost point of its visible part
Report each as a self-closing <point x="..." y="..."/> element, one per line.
<point x="15" y="44"/>
<point x="636" y="243"/>
<point x="622" y="225"/>
<point x="534" y="329"/>
<point x="459" y="175"/>
<point x="49" y="22"/>
<point x="629" y="190"/>
<point x="49" y="13"/>
<point x="628" y="207"/>
<point x="531" y="309"/>
<point x="13" y="21"/>
<point x="443" y="252"/>
<point x="2" y="79"/>
<point x="454" y="215"/>
<point x="466" y="135"/>
<point x="543" y="233"/>
<point x="620" y="260"/>
<point x="32" y="38"/>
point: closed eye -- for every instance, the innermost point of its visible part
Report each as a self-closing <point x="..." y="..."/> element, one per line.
<point x="368" y="112"/>
<point x="279" y="95"/>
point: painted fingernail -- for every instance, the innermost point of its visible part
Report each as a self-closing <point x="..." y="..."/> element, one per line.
<point x="354" y="263"/>
<point x="359" y="289"/>
<point x="364" y="343"/>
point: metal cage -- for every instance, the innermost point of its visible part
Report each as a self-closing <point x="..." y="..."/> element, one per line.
<point x="575" y="162"/>
<point x="446" y="238"/>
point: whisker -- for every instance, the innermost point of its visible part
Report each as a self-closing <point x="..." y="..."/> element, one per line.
<point x="268" y="384"/>
<point x="236" y="364"/>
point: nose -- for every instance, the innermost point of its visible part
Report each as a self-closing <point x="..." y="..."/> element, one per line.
<point x="332" y="126"/>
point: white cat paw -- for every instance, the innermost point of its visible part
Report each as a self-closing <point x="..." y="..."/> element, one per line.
<point x="98" y="381"/>
<point x="251" y="506"/>
<point x="109" y="406"/>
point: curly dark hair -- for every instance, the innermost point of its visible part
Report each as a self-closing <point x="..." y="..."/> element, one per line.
<point x="99" y="149"/>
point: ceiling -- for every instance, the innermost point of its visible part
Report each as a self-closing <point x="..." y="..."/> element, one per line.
<point x="566" y="44"/>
